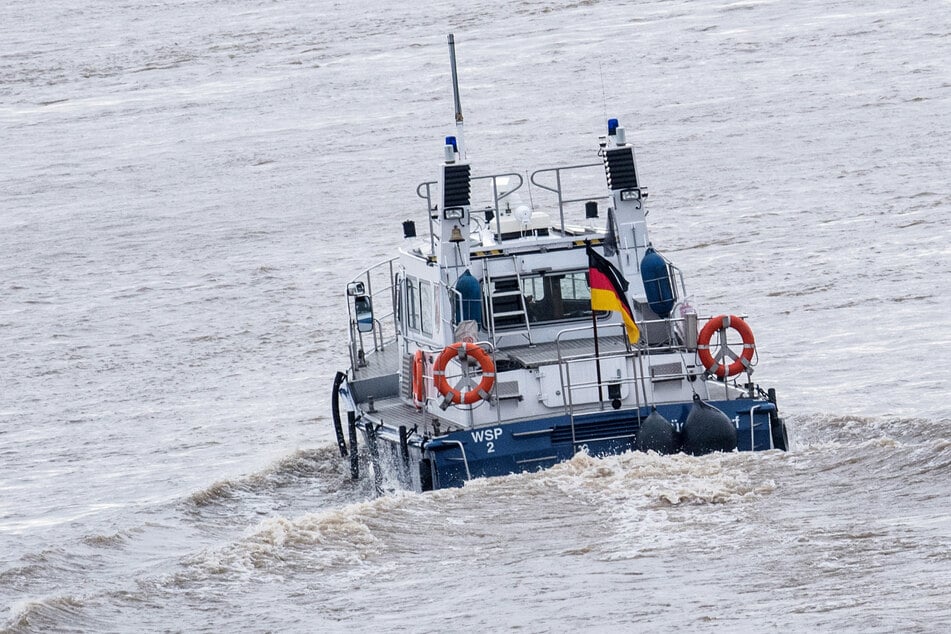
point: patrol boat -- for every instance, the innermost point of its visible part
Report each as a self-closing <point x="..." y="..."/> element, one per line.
<point x="514" y="333"/>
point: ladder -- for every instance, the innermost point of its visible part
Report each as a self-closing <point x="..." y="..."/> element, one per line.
<point x="507" y="307"/>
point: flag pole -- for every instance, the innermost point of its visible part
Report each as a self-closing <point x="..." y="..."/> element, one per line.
<point x="608" y="292"/>
<point x="597" y="349"/>
<point x="597" y="357"/>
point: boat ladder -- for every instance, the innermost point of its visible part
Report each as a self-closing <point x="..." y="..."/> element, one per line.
<point x="507" y="307"/>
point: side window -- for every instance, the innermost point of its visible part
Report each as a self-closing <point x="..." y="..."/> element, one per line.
<point x="426" y="307"/>
<point x="400" y="289"/>
<point x="412" y="303"/>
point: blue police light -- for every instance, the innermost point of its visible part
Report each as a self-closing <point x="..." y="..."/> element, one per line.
<point x="451" y="140"/>
<point x="612" y="127"/>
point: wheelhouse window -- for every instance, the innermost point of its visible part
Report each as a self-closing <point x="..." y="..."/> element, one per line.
<point x="548" y="297"/>
<point x="412" y="303"/>
<point x="426" y="307"/>
<point x="418" y="307"/>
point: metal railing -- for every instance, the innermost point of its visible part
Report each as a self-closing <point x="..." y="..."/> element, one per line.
<point x="379" y="287"/>
<point x="569" y="387"/>
<point x="558" y="188"/>
<point x="500" y="190"/>
<point x="425" y="191"/>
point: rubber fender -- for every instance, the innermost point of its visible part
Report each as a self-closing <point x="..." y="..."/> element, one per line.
<point x="471" y="293"/>
<point x="657" y="283"/>
<point x="707" y="429"/>
<point x="658" y="434"/>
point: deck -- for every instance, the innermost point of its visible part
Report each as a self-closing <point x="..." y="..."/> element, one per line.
<point x="541" y="354"/>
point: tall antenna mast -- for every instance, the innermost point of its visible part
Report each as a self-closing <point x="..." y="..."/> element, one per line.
<point x="455" y="95"/>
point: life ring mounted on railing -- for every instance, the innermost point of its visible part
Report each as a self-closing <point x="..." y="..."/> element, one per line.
<point x="463" y="351"/>
<point x="419" y="387"/>
<point x="741" y="362"/>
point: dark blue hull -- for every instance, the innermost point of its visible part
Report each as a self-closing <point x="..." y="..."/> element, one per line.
<point x="450" y="460"/>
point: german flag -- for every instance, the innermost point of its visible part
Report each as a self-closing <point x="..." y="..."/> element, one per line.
<point x="608" y="289"/>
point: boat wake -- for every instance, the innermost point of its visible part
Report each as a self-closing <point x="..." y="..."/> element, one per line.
<point x="337" y="539"/>
<point x="321" y="466"/>
<point x="45" y="614"/>
<point x="626" y="494"/>
<point x="653" y="480"/>
<point x="322" y="532"/>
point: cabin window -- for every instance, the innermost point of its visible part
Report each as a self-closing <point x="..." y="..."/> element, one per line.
<point x="398" y="308"/>
<point x="549" y="297"/>
<point x="412" y="303"/>
<point x="426" y="307"/>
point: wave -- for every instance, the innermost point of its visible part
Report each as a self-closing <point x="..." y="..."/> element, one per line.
<point x="610" y="508"/>
<point x="890" y="447"/>
<point x="637" y="504"/>
<point x="851" y="429"/>
<point x="59" y="613"/>
<point x="344" y="537"/>
<point x="322" y="466"/>
<point x="653" y="479"/>
<point x="642" y="504"/>
<point x="117" y="539"/>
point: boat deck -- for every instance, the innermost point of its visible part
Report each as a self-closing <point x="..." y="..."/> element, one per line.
<point x="547" y="353"/>
<point x="394" y="412"/>
<point x="379" y="363"/>
<point x="386" y="361"/>
<point x="378" y="377"/>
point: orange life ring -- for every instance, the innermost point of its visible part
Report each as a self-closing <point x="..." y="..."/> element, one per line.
<point x="419" y="389"/>
<point x="462" y="351"/>
<point x="741" y="362"/>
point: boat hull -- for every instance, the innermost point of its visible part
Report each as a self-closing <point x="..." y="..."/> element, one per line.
<point x="451" y="459"/>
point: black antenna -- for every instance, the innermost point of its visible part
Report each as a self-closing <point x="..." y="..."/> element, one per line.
<point x="461" y="145"/>
<point x="604" y="99"/>
<point x="455" y="78"/>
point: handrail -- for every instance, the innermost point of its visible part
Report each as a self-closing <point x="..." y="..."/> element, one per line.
<point x="448" y="441"/>
<point x="456" y="303"/>
<point x="496" y="197"/>
<point x="425" y="191"/>
<point x="384" y="268"/>
<point x="641" y="374"/>
<point x="564" y="371"/>
<point x="767" y="407"/>
<point x="557" y="189"/>
<point x="429" y="211"/>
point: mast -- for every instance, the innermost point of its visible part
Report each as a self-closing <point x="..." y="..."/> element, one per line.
<point x="455" y="94"/>
<point x="455" y="188"/>
<point x="627" y="195"/>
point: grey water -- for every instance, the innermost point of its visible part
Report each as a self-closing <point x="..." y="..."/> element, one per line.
<point x="186" y="186"/>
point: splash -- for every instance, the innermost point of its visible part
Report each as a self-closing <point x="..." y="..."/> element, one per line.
<point x="650" y="478"/>
<point x="339" y="538"/>
<point x="322" y="466"/>
<point x="44" y="614"/>
<point x="649" y="504"/>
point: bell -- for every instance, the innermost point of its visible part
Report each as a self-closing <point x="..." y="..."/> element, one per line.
<point x="456" y="234"/>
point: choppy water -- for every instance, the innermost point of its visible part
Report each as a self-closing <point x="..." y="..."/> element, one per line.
<point x="185" y="186"/>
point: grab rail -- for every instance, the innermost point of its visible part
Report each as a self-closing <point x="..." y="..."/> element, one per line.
<point x="425" y="191"/>
<point x="568" y="386"/>
<point x="437" y="444"/>
<point x="766" y="407"/>
<point x="557" y="189"/>
<point x="383" y="319"/>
